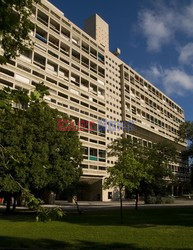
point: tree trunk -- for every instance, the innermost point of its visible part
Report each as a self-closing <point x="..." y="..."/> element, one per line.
<point x="136" y="200"/>
<point x="14" y="202"/>
<point x="77" y="205"/>
<point x="121" y="205"/>
<point x="8" y="206"/>
<point x="49" y="197"/>
<point x="19" y="199"/>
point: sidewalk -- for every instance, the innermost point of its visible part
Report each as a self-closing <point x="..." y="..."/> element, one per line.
<point x="99" y="205"/>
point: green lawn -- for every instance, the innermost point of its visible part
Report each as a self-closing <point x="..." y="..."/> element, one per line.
<point x="147" y="228"/>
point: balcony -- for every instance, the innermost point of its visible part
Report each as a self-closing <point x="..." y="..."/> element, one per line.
<point x="54" y="26"/>
<point x="41" y="38"/>
<point x="76" y="41"/>
<point x="85" y="62"/>
<point x="42" y="17"/>
<point x="93" y="89"/>
<point x="101" y="72"/>
<point x="84" y="85"/>
<point x="85" y="47"/>
<point x="65" y="34"/>
<point x="93" y="158"/>
<point x="39" y="60"/>
<point x="75" y="56"/>
<point x="52" y="67"/>
<point x="63" y="73"/>
<point x="101" y="93"/>
<point x="93" y="52"/>
<point x="75" y="79"/>
<point x="64" y="49"/>
<point x="101" y="58"/>
<point x="53" y="42"/>
<point x="93" y="67"/>
<point x="41" y="35"/>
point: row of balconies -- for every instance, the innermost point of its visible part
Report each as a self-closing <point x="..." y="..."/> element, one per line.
<point x="66" y="34"/>
<point x="66" y="50"/>
<point x="156" y="93"/>
<point x="133" y="78"/>
<point x="151" y="104"/>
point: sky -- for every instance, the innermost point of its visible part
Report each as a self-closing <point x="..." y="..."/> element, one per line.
<point x="155" y="38"/>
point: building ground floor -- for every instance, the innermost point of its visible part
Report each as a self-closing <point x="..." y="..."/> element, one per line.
<point x="92" y="189"/>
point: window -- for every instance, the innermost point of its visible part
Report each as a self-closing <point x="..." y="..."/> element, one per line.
<point x="93" y="154"/>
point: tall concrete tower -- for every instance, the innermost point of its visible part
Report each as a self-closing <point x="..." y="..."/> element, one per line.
<point x="97" y="28"/>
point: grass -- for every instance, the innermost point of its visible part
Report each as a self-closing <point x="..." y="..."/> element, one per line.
<point x="147" y="228"/>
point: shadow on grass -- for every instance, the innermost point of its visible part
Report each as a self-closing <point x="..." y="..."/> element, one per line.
<point x="171" y="216"/>
<point x="12" y="243"/>
<point x="148" y="217"/>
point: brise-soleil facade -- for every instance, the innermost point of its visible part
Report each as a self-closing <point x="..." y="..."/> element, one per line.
<point x="89" y="83"/>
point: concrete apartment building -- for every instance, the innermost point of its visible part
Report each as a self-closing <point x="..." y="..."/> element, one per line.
<point x="90" y="83"/>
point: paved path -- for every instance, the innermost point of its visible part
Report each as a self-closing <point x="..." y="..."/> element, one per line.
<point x="98" y="205"/>
<point x="95" y="205"/>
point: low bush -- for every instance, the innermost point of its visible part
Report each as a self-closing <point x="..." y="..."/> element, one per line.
<point x="159" y="200"/>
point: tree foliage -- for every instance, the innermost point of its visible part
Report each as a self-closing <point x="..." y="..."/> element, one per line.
<point x="130" y="168"/>
<point x="186" y="133"/>
<point x="160" y="155"/>
<point x="141" y="168"/>
<point x="34" y="154"/>
<point x="15" y="27"/>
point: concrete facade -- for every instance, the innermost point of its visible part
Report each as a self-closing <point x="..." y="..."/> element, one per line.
<point x="89" y="83"/>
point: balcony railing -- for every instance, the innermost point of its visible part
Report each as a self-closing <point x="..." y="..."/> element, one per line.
<point x="41" y="38"/>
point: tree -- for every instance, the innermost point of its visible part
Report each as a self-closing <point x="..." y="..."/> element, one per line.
<point x="159" y="156"/>
<point x="34" y="154"/>
<point x="74" y="190"/>
<point x="186" y="133"/>
<point x="129" y="169"/>
<point x="15" y="26"/>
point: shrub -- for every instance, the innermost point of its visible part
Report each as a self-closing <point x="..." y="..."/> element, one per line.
<point x="49" y="214"/>
<point x="150" y="200"/>
<point x="159" y="200"/>
<point x="168" y="200"/>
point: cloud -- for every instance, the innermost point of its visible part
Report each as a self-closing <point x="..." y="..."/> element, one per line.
<point x="160" y="24"/>
<point x="186" y="54"/>
<point x="153" y="73"/>
<point x="155" y="30"/>
<point x="177" y="81"/>
<point x="186" y="19"/>
<point x="174" y="81"/>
